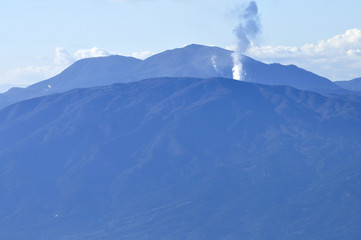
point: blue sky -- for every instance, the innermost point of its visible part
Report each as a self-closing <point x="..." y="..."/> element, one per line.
<point x="40" y="38"/>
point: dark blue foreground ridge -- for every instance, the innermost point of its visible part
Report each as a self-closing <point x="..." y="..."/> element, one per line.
<point x="181" y="158"/>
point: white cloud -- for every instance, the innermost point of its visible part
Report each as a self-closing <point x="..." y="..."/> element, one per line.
<point x="62" y="57"/>
<point x="338" y="58"/>
<point x="354" y="52"/>
<point x="89" y="53"/>
<point x="34" y="73"/>
<point x="142" y="55"/>
<point x="25" y="76"/>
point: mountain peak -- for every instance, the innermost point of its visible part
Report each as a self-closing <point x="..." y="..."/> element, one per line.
<point x="190" y="61"/>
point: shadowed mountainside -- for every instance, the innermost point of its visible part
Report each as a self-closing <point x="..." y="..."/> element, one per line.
<point x="181" y="158"/>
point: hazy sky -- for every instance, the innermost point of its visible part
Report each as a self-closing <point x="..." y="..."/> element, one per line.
<point x="39" y="38"/>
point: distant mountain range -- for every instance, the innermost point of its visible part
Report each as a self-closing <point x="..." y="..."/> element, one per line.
<point x="353" y="85"/>
<point x="180" y="158"/>
<point x="191" y="61"/>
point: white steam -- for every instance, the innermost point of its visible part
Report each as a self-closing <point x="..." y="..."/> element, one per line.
<point x="246" y="30"/>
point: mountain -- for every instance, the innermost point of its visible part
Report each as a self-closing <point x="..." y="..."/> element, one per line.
<point x="181" y="158"/>
<point x="289" y="75"/>
<point x="353" y="85"/>
<point x="191" y="61"/>
<point x="83" y="73"/>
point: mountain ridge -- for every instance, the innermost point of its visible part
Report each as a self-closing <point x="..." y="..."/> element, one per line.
<point x="191" y="61"/>
<point x="353" y="85"/>
<point x="181" y="158"/>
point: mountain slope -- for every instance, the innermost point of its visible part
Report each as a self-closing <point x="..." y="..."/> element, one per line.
<point x="353" y="85"/>
<point x="181" y="158"/>
<point x="289" y="75"/>
<point x="83" y="73"/>
<point x="190" y="61"/>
